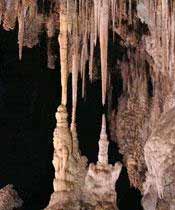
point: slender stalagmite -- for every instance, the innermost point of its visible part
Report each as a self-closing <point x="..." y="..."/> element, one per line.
<point x="103" y="144"/>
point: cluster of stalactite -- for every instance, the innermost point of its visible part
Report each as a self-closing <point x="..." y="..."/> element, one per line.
<point x="147" y="33"/>
<point x="79" y="24"/>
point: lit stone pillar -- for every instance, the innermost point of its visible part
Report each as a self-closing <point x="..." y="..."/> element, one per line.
<point x="103" y="144"/>
<point x="69" y="166"/>
<point x="63" y="42"/>
<point x="99" y="191"/>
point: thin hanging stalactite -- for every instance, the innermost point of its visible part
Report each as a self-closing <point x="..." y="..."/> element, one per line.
<point x="63" y="42"/>
<point x="21" y="16"/>
<point x="75" y="70"/>
<point x="103" y="34"/>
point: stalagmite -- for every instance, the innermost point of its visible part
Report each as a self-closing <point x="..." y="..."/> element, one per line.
<point x="69" y="166"/>
<point x="99" y="191"/>
<point x="103" y="144"/>
<point x="63" y="42"/>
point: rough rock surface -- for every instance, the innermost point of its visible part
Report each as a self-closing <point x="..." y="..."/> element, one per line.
<point x="9" y="199"/>
<point x="159" y="188"/>
<point x="75" y="187"/>
<point x="70" y="166"/>
<point x="99" y="190"/>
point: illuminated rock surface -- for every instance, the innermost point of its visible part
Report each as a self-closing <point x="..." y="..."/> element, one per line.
<point x="100" y="180"/>
<point x="159" y="188"/>
<point x="70" y="167"/>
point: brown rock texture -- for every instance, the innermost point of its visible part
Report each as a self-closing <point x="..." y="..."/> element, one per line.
<point x="159" y="156"/>
<point x="9" y="199"/>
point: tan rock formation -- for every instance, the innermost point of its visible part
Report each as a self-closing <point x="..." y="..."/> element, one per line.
<point x="159" y="188"/>
<point x="100" y="181"/>
<point x="70" y="167"/>
<point x="9" y="199"/>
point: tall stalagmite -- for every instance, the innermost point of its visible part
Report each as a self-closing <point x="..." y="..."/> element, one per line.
<point x="99" y="190"/>
<point x="69" y="166"/>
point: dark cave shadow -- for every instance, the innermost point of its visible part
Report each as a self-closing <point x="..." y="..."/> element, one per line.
<point x="27" y="119"/>
<point x="127" y="197"/>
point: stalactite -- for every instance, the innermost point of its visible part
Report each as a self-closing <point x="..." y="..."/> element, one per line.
<point x="130" y="11"/>
<point x="21" y="16"/>
<point x="113" y="11"/>
<point x="2" y="8"/>
<point x="97" y="5"/>
<point x="75" y="68"/>
<point x="10" y="14"/>
<point x="103" y="32"/>
<point x="92" y="44"/>
<point x="50" y="55"/>
<point x="33" y="24"/>
<point x="50" y="26"/>
<point x="84" y="56"/>
<point x="63" y="42"/>
<point x="84" y="51"/>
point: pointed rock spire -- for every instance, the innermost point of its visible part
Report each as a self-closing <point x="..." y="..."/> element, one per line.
<point x="103" y="144"/>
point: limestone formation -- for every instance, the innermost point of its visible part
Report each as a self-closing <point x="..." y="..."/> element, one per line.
<point x="144" y="33"/>
<point x="70" y="167"/>
<point x="99" y="191"/>
<point x="9" y="199"/>
<point x="159" y="151"/>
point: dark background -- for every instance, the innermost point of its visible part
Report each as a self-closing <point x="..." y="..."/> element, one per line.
<point x="29" y="97"/>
